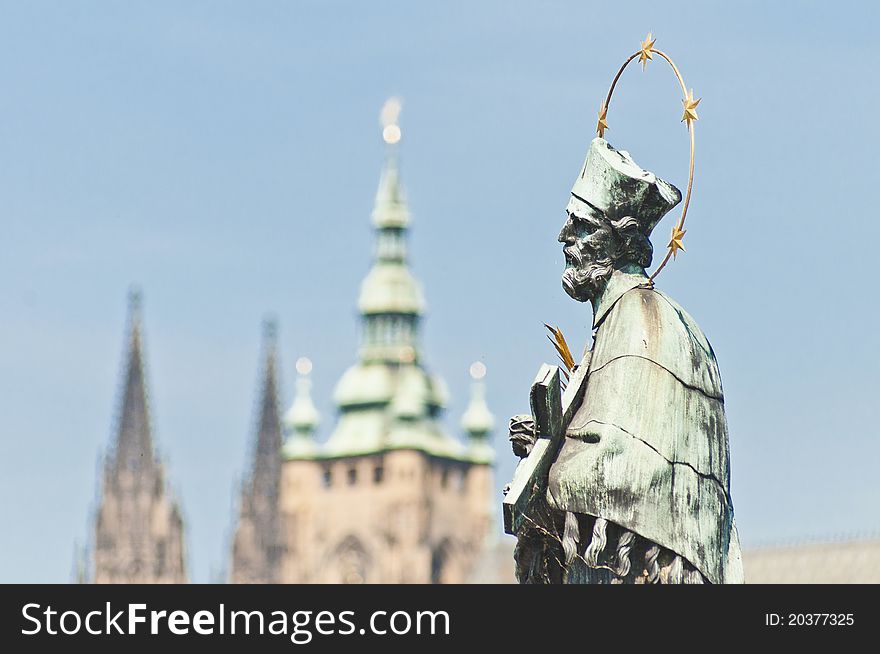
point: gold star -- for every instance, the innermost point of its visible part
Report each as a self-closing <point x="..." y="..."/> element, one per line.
<point x="645" y="54"/>
<point x="602" y="125"/>
<point x="675" y="244"/>
<point x="690" y="108"/>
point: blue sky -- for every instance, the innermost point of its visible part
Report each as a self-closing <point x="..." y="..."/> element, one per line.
<point x="224" y="157"/>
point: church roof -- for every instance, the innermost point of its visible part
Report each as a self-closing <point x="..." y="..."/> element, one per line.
<point x="408" y="388"/>
<point x="389" y="287"/>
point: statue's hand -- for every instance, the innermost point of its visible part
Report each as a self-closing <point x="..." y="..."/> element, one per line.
<point x="522" y="435"/>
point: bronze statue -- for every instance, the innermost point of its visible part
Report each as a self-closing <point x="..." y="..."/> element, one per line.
<point x="625" y="475"/>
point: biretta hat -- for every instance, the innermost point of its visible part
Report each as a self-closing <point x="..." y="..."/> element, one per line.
<point x="614" y="184"/>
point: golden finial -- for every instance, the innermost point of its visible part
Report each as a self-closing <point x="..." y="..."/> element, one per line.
<point x="304" y="366"/>
<point x="390" y="113"/>
<point x="477" y="370"/>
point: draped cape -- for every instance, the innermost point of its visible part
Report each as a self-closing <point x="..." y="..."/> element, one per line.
<point x="648" y="447"/>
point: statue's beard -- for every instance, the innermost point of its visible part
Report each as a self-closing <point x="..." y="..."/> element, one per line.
<point x="582" y="280"/>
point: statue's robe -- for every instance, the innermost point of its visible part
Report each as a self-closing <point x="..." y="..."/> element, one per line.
<point x="647" y="449"/>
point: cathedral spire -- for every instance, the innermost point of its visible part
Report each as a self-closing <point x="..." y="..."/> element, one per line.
<point x="257" y="549"/>
<point x="265" y="463"/>
<point x="134" y="442"/>
<point x="390" y="210"/>
<point x="138" y="527"/>
<point x="391" y="301"/>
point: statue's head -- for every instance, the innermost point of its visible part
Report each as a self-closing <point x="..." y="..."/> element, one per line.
<point x="614" y="206"/>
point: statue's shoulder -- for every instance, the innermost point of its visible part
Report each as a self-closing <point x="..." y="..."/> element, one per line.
<point x="648" y="324"/>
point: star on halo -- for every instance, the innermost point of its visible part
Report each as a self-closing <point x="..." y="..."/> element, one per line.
<point x="690" y="108"/>
<point x="646" y="51"/>
<point x="602" y="125"/>
<point x="676" y="243"/>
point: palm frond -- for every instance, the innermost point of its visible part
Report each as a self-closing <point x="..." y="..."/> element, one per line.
<point x="561" y="346"/>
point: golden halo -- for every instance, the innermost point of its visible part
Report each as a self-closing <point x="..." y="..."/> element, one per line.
<point x="645" y="54"/>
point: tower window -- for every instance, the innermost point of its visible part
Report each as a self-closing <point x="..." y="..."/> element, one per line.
<point x="328" y="478"/>
<point x="352" y="476"/>
<point x="378" y="474"/>
<point x="444" y="478"/>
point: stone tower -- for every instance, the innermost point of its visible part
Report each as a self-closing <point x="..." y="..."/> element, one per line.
<point x="256" y="554"/>
<point x="391" y="496"/>
<point x="138" y="529"/>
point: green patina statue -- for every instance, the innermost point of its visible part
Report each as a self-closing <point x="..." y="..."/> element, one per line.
<point x="625" y="475"/>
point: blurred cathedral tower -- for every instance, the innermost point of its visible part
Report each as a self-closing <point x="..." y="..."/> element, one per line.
<point x="391" y="496"/>
<point x="257" y="547"/>
<point x="138" y="528"/>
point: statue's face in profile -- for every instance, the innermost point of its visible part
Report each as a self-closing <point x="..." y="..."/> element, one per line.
<point x="586" y="238"/>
